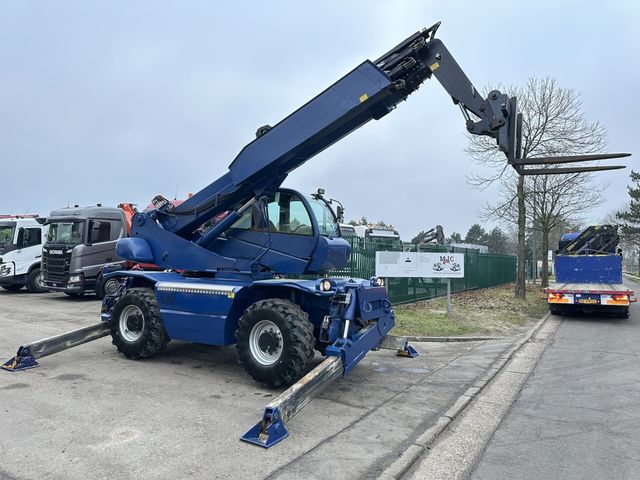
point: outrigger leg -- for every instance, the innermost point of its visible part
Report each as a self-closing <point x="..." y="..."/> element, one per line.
<point x="27" y="354"/>
<point x="271" y="429"/>
<point x="400" y="345"/>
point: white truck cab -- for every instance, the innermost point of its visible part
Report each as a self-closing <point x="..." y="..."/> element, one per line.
<point x="21" y="253"/>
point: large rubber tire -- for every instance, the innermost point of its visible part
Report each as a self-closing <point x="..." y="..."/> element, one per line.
<point x="12" y="288"/>
<point x="136" y="327"/>
<point x="35" y="282"/>
<point x="280" y="355"/>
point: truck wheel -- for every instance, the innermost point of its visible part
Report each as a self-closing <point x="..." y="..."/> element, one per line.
<point x="12" y="288"/>
<point x="104" y="288"/>
<point x="136" y="327"/>
<point x="275" y="342"/>
<point x="35" y="282"/>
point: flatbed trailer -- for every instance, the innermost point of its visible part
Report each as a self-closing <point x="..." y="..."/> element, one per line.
<point x="612" y="298"/>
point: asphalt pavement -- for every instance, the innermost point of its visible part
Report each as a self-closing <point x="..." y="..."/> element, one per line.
<point x="90" y="413"/>
<point x="578" y="413"/>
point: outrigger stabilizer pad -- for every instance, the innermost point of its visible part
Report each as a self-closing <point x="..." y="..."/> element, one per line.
<point x="269" y="431"/>
<point x="19" y="362"/>
<point x="408" y="351"/>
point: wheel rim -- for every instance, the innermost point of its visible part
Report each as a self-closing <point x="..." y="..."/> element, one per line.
<point x="131" y="323"/>
<point x="111" y="286"/>
<point x="40" y="281"/>
<point x="265" y="342"/>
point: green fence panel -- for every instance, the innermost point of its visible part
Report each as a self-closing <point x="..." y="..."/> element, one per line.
<point x="481" y="270"/>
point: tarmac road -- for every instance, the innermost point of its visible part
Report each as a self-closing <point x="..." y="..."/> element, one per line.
<point x="90" y="413"/>
<point x="578" y="415"/>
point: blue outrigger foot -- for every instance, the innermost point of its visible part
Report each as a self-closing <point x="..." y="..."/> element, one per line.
<point x="27" y="354"/>
<point x="408" y="351"/>
<point x="271" y="429"/>
<point x="19" y="362"/>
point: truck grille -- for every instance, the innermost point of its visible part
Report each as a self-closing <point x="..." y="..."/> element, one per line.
<point x="55" y="266"/>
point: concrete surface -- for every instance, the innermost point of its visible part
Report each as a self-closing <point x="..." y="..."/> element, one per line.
<point x="454" y="453"/>
<point x="90" y="413"/>
<point x="578" y="414"/>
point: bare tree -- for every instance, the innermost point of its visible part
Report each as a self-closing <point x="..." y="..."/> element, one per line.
<point x="553" y="124"/>
<point x="551" y="202"/>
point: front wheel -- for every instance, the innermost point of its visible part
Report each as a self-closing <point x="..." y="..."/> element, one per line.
<point x="275" y="342"/>
<point x="136" y="327"/>
<point x="35" y="282"/>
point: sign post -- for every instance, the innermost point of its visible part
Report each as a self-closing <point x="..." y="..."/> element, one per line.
<point x="421" y="265"/>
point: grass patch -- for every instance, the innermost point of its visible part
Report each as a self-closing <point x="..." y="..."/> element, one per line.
<point x="489" y="311"/>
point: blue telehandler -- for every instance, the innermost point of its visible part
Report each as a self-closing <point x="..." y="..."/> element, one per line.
<point x="236" y="254"/>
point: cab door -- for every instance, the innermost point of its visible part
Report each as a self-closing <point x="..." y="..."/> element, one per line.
<point x="29" y="248"/>
<point x="283" y="242"/>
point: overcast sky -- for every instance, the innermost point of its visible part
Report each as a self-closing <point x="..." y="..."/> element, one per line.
<point x="121" y="100"/>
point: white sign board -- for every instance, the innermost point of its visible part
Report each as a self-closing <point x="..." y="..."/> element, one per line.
<point x="419" y="264"/>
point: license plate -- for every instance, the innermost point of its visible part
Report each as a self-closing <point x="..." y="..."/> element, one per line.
<point x="587" y="299"/>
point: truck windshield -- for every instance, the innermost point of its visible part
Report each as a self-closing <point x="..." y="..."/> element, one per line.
<point x="6" y="234"/>
<point x="68" y="232"/>
<point x="326" y="221"/>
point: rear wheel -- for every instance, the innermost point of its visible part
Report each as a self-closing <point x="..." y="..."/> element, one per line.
<point x="275" y="342"/>
<point x="136" y="327"/>
<point x="12" y="288"/>
<point x="35" y="282"/>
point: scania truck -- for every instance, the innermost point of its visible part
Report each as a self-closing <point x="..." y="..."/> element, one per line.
<point x="21" y="253"/>
<point x="80" y="241"/>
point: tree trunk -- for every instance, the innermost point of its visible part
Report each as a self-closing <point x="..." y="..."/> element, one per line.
<point x="520" y="275"/>
<point x="545" y="255"/>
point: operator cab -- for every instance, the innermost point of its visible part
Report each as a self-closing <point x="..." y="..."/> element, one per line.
<point x="287" y="233"/>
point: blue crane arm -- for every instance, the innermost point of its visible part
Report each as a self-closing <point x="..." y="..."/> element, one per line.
<point x="368" y="92"/>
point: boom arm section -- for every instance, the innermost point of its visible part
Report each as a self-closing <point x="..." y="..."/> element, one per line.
<point x="370" y="91"/>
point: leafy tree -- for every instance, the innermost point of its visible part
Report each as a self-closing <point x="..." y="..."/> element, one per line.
<point x="476" y="234"/>
<point x="455" y="238"/>
<point x="630" y="217"/>
<point x="497" y="241"/>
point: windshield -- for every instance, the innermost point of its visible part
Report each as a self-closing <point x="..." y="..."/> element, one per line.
<point x="326" y="221"/>
<point x="6" y="234"/>
<point x="66" y="232"/>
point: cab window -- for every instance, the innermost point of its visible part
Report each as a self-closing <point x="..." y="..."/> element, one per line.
<point x="32" y="237"/>
<point x="100" y="231"/>
<point x="324" y="217"/>
<point x="287" y="214"/>
<point x="116" y="229"/>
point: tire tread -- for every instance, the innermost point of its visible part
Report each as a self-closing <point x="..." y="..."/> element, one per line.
<point x="297" y="357"/>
